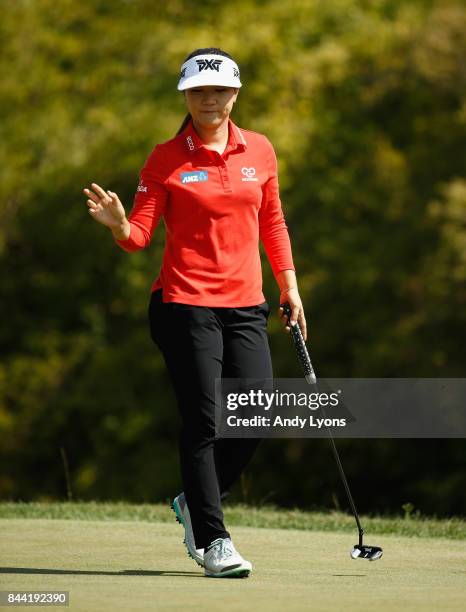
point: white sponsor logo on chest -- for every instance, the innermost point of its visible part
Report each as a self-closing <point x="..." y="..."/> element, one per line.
<point x="249" y="174"/>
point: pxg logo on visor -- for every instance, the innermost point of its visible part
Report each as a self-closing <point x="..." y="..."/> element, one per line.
<point x="209" y="69"/>
<point x="211" y="64"/>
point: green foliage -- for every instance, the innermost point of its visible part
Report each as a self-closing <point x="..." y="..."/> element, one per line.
<point x="365" y="103"/>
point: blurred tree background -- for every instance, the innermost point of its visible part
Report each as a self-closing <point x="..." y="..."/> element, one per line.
<point x="364" y="101"/>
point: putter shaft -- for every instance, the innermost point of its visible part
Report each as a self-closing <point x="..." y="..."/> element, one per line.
<point x="305" y="360"/>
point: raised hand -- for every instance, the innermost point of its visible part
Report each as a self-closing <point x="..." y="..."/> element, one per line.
<point x="105" y="206"/>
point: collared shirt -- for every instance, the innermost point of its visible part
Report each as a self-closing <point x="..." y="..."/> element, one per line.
<point x="216" y="207"/>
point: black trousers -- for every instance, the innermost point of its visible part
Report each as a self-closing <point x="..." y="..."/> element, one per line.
<point x="200" y="344"/>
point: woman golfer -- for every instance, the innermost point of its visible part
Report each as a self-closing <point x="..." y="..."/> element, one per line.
<point x="216" y="187"/>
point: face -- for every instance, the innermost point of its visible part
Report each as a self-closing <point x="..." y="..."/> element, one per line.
<point x="210" y="105"/>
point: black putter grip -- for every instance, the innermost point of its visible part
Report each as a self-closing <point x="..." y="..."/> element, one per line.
<point x="301" y="348"/>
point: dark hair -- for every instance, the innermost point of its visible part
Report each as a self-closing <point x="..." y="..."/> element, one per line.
<point x="206" y="51"/>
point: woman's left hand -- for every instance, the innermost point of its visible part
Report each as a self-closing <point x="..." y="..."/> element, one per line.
<point x="297" y="311"/>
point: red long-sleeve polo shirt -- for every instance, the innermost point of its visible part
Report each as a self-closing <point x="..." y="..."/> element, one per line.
<point x="215" y="209"/>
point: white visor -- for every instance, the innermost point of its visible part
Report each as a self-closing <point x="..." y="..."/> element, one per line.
<point x="209" y="70"/>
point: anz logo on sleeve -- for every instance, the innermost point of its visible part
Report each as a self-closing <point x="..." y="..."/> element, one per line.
<point x="198" y="176"/>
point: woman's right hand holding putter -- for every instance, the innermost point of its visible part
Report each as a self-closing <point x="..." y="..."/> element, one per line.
<point x="106" y="208"/>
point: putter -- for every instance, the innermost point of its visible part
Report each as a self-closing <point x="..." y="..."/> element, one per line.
<point x="360" y="550"/>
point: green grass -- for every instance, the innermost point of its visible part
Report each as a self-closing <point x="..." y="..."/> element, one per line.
<point x="267" y="517"/>
<point x="139" y="565"/>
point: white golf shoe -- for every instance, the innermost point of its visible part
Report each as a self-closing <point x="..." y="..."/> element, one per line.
<point x="222" y="560"/>
<point x="180" y="507"/>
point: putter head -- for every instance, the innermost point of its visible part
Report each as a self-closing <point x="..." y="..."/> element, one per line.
<point x="366" y="552"/>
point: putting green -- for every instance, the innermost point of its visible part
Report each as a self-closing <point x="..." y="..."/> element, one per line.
<point x="128" y="566"/>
